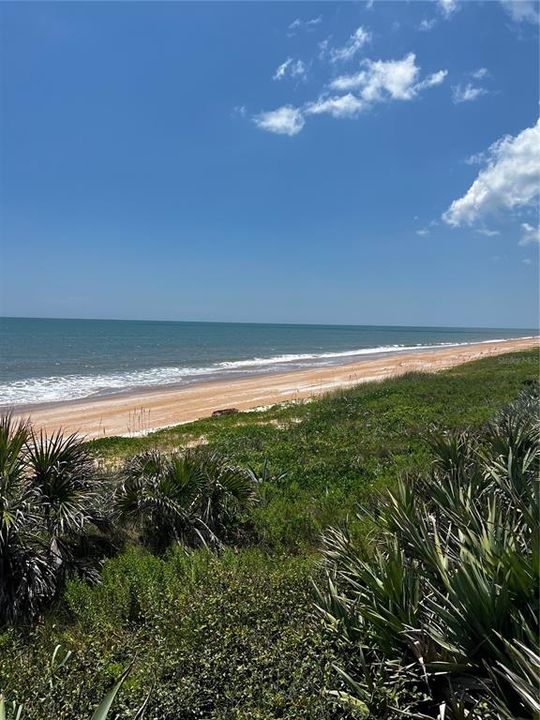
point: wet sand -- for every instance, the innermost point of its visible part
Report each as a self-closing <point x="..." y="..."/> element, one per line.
<point x="146" y="410"/>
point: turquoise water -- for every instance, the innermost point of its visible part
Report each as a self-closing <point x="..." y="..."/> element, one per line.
<point x="54" y="360"/>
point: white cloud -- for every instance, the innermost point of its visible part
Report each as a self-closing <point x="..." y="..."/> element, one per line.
<point x="379" y="81"/>
<point x="509" y="181"/>
<point x="354" y="44"/>
<point x="487" y="232"/>
<point x="467" y="93"/>
<point x="435" y="78"/>
<point x="522" y="10"/>
<point x="298" y="24"/>
<point x="290" y="68"/>
<point x="477" y="158"/>
<point x="448" y="7"/>
<point x="391" y="79"/>
<point x="239" y="110"/>
<point x="480" y="73"/>
<point x="423" y="232"/>
<point x="527" y="261"/>
<point x="286" y="120"/>
<point x="530" y="235"/>
<point x="339" y="106"/>
<point x="427" y="25"/>
<point x="323" y="48"/>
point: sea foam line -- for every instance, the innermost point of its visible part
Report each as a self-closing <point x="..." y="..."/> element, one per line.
<point x="57" y="388"/>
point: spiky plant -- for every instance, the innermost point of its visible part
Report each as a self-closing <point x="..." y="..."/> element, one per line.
<point x="446" y="606"/>
<point x="47" y="499"/>
<point x="193" y="499"/>
<point x="26" y="579"/>
<point x="63" y="478"/>
<point x="227" y="490"/>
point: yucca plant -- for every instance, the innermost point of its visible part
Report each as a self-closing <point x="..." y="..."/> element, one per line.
<point x="446" y="607"/>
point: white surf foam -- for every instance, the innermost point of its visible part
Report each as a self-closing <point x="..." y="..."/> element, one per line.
<point x="56" y="388"/>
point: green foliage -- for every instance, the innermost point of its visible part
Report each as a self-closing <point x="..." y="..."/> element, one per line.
<point x="47" y="499"/>
<point x="194" y="499"/>
<point x="328" y="455"/>
<point x="100" y="713"/>
<point x="230" y="634"/>
<point x="224" y="635"/>
<point x="447" y="598"/>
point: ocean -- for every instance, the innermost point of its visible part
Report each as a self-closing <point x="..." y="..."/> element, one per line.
<point x="44" y="361"/>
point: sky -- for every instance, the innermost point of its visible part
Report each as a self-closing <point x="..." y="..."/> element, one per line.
<point x="352" y="163"/>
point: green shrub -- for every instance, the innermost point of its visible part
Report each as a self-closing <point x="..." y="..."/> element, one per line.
<point x="195" y="498"/>
<point x="212" y="635"/>
<point x="48" y="500"/>
<point x="443" y="610"/>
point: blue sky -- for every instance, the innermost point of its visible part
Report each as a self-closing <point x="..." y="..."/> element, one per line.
<point x="370" y="163"/>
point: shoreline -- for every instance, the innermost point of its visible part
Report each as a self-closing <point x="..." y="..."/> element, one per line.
<point x="142" y="411"/>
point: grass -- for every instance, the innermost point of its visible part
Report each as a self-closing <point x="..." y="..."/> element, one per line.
<point x="233" y="635"/>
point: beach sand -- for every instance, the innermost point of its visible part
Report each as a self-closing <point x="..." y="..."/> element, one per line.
<point x="146" y="410"/>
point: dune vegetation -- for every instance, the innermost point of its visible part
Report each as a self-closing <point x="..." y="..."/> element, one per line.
<point x="370" y="554"/>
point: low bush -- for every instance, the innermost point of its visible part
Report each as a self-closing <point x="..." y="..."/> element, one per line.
<point x="51" y="511"/>
<point x="438" y="617"/>
<point x="228" y="636"/>
<point x="194" y="498"/>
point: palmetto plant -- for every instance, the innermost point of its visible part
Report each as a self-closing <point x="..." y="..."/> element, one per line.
<point x="47" y="493"/>
<point x="194" y="499"/>
<point x="25" y="577"/>
<point x="440" y="619"/>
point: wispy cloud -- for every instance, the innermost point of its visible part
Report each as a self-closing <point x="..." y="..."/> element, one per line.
<point x="448" y="7"/>
<point x="388" y="79"/>
<point x="487" y="232"/>
<point x="477" y="158"/>
<point x="522" y="10"/>
<point x="286" y="120"/>
<point x="480" y="73"/>
<point x="354" y="44"/>
<point x="531" y="234"/>
<point x="509" y="181"/>
<point x="423" y="232"/>
<point x="347" y="96"/>
<point x="467" y="93"/>
<point x="290" y="68"/>
<point x="338" y="106"/>
<point x="298" y="24"/>
<point x="427" y="25"/>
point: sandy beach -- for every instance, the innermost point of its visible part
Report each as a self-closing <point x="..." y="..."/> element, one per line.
<point x="144" y="411"/>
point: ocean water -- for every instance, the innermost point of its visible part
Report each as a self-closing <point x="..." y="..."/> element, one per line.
<point x="45" y="361"/>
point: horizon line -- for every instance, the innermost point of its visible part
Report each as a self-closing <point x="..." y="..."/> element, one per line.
<point x="252" y="322"/>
